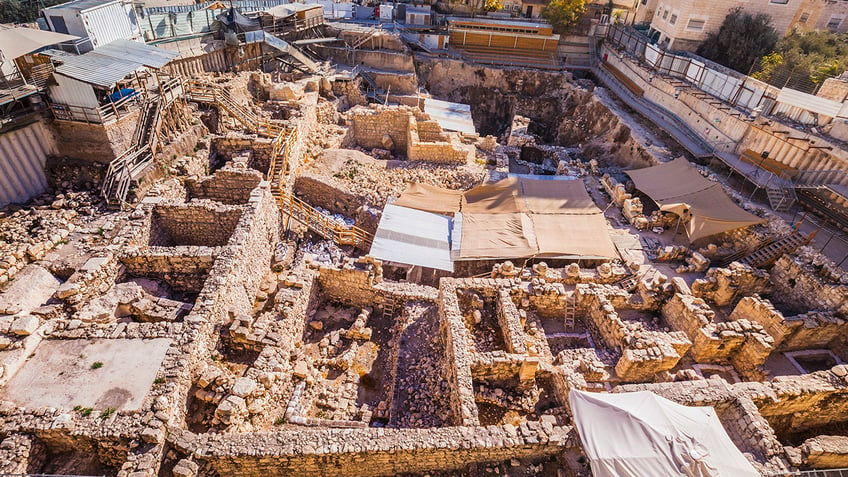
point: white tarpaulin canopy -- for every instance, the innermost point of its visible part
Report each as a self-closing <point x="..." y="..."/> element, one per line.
<point x="413" y="237"/>
<point x="640" y="434"/>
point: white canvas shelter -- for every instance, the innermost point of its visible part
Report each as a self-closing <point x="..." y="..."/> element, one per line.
<point x="413" y="237"/>
<point x="641" y="434"/>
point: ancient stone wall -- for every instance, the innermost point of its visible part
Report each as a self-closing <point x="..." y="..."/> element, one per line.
<point x="316" y="191"/>
<point x="826" y="452"/>
<point x="227" y="186"/>
<point x="814" y="330"/>
<point x="233" y="144"/>
<point x="184" y="268"/>
<point x="370" y="125"/>
<point x="458" y="359"/>
<point x="378" y="59"/>
<point x="95" y="142"/>
<point x="370" y="451"/>
<point x="196" y="224"/>
<point x="722" y="285"/>
<point x="824" y="400"/>
<point x="801" y="286"/>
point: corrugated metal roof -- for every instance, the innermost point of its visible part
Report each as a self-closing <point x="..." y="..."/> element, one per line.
<point x="111" y="63"/>
<point x="450" y="116"/>
<point x="81" y="5"/>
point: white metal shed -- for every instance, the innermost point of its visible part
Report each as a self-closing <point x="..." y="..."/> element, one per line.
<point x="99" y="21"/>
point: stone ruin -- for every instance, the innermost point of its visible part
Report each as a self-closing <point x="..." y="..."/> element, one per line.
<point x="205" y="332"/>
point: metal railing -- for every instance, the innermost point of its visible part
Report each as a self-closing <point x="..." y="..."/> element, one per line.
<point x="203" y="92"/>
<point x="108" y="112"/>
<point x="811" y="473"/>
<point x="322" y="224"/>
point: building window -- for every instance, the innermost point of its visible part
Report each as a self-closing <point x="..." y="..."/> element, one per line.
<point x="804" y="17"/>
<point x="779" y="2"/>
<point x="695" y="24"/>
<point x="673" y="19"/>
<point x="665" y="14"/>
<point x="834" y="22"/>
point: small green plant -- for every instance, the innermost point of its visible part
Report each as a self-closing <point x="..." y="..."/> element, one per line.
<point x="279" y="421"/>
<point x="322" y="414"/>
<point x="83" y="411"/>
<point x="62" y="242"/>
<point x="100" y="231"/>
<point x="96" y="365"/>
<point x="107" y="413"/>
<point x="159" y="380"/>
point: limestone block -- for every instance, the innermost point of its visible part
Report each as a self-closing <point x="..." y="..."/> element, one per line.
<point x="24" y="325"/>
<point x="244" y="387"/>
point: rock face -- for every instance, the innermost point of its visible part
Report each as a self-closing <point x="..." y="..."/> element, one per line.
<point x="31" y="287"/>
<point x="24" y="325"/>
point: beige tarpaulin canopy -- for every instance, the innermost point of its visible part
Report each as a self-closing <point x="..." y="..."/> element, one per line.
<point x="18" y="41"/>
<point x="430" y="199"/>
<point x="680" y="189"/>
<point x="519" y="217"/>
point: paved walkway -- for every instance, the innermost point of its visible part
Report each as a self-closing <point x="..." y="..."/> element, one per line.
<point x="660" y="116"/>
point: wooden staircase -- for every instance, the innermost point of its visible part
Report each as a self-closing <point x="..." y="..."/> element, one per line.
<point x="209" y="93"/>
<point x="130" y="165"/>
<point x="323" y="225"/>
<point x="279" y="168"/>
<point x="765" y="256"/>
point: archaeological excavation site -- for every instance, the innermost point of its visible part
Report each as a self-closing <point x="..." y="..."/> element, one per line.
<point x="313" y="248"/>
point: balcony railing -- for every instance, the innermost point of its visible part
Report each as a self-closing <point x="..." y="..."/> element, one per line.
<point x="106" y="113"/>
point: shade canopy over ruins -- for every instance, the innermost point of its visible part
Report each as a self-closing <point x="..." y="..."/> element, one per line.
<point x="518" y="217"/>
<point x="702" y="204"/>
<point x="641" y="433"/>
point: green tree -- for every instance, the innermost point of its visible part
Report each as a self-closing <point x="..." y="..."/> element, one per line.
<point x="563" y="14"/>
<point x="768" y="65"/>
<point x="740" y="41"/>
<point x="23" y="11"/>
<point x="493" y="5"/>
<point x="807" y="59"/>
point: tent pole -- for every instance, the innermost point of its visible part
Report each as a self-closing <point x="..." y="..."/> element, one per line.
<point x="676" y="228"/>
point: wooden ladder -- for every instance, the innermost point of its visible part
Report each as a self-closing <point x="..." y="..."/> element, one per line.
<point x="389" y="308"/>
<point x="570" y="313"/>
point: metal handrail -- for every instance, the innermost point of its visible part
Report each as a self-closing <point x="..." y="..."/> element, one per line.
<point x="810" y="473"/>
<point x="207" y="92"/>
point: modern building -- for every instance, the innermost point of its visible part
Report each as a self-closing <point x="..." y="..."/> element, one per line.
<point x="95" y="22"/>
<point x="685" y="24"/>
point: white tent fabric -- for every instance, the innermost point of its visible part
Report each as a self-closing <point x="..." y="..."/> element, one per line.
<point x="641" y="434"/>
<point x="413" y="237"/>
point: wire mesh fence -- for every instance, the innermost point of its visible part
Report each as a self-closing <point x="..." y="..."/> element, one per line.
<point x="811" y="473"/>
